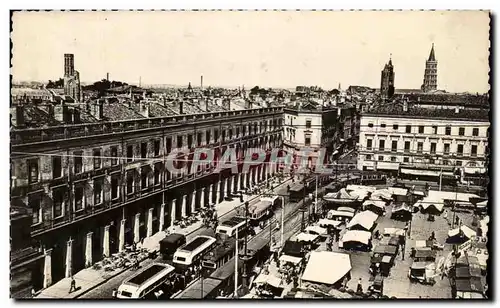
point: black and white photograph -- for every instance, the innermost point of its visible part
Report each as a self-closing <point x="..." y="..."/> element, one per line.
<point x="243" y="154"/>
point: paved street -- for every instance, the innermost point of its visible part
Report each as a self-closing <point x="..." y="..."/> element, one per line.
<point x="105" y="290"/>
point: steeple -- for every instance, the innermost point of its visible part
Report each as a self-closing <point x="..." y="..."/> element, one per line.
<point x="390" y="59"/>
<point x="432" y="57"/>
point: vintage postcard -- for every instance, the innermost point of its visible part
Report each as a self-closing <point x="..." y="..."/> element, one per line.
<point x="171" y="155"/>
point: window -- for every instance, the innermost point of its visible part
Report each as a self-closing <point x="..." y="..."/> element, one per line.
<point x="144" y="178"/>
<point x="98" y="191"/>
<point x="114" y="156"/>
<point x="190" y="141"/>
<point x="370" y="125"/>
<point x="244" y="133"/>
<point x="369" y="144"/>
<point x="144" y="149"/>
<point x="381" y="158"/>
<point x="114" y="187"/>
<point x="34" y="203"/>
<point x="156" y="146"/>
<point x="421" y="129"/>
<point x="393" y="159"/>
<point x="381" y="145"/>
<point x="130" y="153"/>
<point x="169" y="145"/>
<point x="446" y="148"/>
<point x="179" y="142"/>
<point x="408" y="129"/>
<point x="78" y="162"/>
<point x="307" y="141"/>
<point x="33" y="171"/>
<point x="58" y="200"/>
<point x="460" y="149"/>
<point x="97" y="158"/>
<point x="407" y="146"/>
<point x="461" y="131"/>
<point x="237" y="132"/>
<point x="447" y="130"/>
<point x="56" y="167"/>
<point x="199" y="137"/>
<point x="223" y="135"/>
<point x="130" y="183"/>
<point x="420" y="147"/>
<point x="216" y="135"/>
<point x="394" y="146"/>
<point x="79" y="193"/>
<point x="473" y="150"/>
<point x="406" y="159"/>
<point x="382" y="125"/>
<point x="433" y="148"/>
<point x="368" y="157"/>
<point x="308" y="124"/>
<point x="157" y="173"/>
<point x="434" y="130"/>
<point x="475" y="131"/>
<point x="395" y="126"/>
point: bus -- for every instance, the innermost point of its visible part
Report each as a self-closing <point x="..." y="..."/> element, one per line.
<point x="230" y="226"/>
<point x="146" y="282"/>
<point x="221" y="254"/>
<point x="296" y="192"/>
<point x="193" y="252"/>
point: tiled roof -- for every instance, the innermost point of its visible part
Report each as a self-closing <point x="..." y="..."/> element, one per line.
<point x="396" y="109"/>
<point x="463" y="99"/>
<point x="117" y="111"/>
<point x="158" y="110"/>
<point x="36" y="117"/>
<point x="29" y="92"/>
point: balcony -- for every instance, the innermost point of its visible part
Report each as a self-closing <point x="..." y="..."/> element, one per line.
<point x="34" y="135"/>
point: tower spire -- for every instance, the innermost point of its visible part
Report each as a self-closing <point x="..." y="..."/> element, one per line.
<point x="432" y="57"/>
<point x="390" y="59"/>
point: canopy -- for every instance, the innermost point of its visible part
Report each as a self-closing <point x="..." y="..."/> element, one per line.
<point x="269" y="279"/>
<point x="382" y="194"/>
<point x="357" y="236"/>
<point x="426" y="203"/>
<point x="385" y="250"/>
<point x="364" y="219"/>
<point x="327" y="267"/>
<point x="316" y="230"/>
<point x="337" y="213"/>
<point x="377" y="203"/>
<point x="342" y="196"/>
<point x="468" y="232"/>
<point x="271" y="199"/>
<point x="401" y="208"/>
<point x="482" y="204"/>
<point x="306" y="237"/>
<point x="290" y="259"/>
<point x="346" y="209"/>
<point x="361" y="188"/>
<point x="394" y="231"/>
<point x="329" y="222"/>
<point x="398" y="191"/>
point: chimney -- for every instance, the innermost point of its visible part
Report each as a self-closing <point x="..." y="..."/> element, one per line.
<point x="17" y="116"/>
<point x="61" y="113"/>
<point x="76" y="116"/>
<point x="457" y="109"/>
<point x="201" y="82"/>
<point x="107" y="77"/>
<point x="98" y="110"/>
<point x="181" y="107"/>
<point x="405" y="106"/>
<point x="206" y="106"/>
<point x="145" y="109"/>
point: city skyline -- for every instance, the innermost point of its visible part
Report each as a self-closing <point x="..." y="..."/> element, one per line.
<point x="267" y="49"/>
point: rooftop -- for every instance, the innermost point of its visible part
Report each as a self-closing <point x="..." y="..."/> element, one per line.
<point x="396" y="109"/>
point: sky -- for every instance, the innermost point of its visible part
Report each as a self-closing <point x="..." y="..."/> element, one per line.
<point x="268" y="49"/>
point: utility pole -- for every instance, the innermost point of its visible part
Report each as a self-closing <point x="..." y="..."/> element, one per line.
<point x="236" y="267"/>
<point x="282" y="220"/>
<point x="244" y="255"/>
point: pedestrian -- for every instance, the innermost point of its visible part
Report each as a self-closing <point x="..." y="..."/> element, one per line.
<point x="33" y="292"/>
<point x="359" y="288"/>
<point x="344" y="282"/>
<point x="72" y="287"/>
<point x="114" y="293"/>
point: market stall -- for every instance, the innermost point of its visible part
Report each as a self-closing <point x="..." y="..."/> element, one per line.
<point x="363" y="221"/>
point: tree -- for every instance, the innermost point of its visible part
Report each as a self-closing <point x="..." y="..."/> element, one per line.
<point x="55" y="84"/>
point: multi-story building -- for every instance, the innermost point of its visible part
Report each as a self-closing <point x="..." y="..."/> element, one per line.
<point x="401" y="137"/>
<point x="311" y="126"/>
<point x="94" y="175"/>
<point x="26" y="259"/>
<point x="430" y="74"/>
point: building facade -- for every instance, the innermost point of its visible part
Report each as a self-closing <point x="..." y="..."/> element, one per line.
<point x="430" y="73"/>
<point x="387" y="81"/>
<point x="412" y="137"/>
<point x="95" y="187"/>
